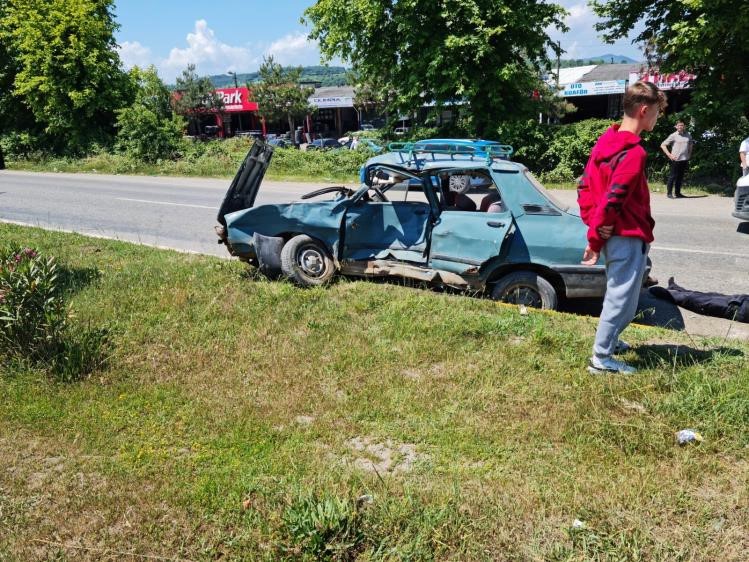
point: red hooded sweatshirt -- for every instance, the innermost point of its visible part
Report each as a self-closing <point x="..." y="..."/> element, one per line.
<point x="613" y="189"/>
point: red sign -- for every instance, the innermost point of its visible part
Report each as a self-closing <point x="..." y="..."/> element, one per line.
<point x="237" y="99"/>
<point x="672" y="81"/>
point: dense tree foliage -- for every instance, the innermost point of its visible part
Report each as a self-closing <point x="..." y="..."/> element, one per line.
<point x="149" y="130"/>
<point x="706" y="37"/>
<point x="59" y="63"/>
<point x="486" y="52"/>
<point x="279" y="95"/>
<point x="195" y="96"/>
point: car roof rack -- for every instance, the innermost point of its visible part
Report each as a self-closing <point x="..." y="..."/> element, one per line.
<point x="411" y="149"/>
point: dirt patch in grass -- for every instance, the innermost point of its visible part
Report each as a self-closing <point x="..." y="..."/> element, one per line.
<point x="383" y="456"/>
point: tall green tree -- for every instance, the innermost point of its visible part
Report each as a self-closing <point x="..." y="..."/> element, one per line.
<point x="65" y="67"/>
<point x="195" y="97"/>
<point x="279" y="95"/>
<point x="486" y="52"/>
<point x="706" y="37"/>
<point x="149" y="130"/>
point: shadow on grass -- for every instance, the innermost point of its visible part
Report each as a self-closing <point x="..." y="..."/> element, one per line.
<point x="681" y="356"/>
<point x="75" y="279"/>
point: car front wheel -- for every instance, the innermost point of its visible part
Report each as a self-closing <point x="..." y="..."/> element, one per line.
<point x="527" y="288"/>
<point x="306" y="262"/>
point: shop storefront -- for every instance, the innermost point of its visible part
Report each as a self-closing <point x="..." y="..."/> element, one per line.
<point x="335" y="113"/>
<point x="598" y="91"/>
<point x="238" y="116"/>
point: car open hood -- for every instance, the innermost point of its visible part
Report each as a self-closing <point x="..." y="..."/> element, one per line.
<point x="244" y="186"/>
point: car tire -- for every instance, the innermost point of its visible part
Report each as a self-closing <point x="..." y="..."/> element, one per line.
<point x="306" y="262"/>
<point x="527" y="288"/>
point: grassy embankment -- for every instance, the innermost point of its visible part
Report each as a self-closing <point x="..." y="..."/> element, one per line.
<point x="241" y="419"/>
<point x="213" y="159"/>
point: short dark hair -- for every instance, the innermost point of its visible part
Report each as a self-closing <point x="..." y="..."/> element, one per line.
<point x="643" y="93"/>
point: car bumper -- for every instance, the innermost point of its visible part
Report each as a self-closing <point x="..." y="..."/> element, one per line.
<point x="741" y="203"/>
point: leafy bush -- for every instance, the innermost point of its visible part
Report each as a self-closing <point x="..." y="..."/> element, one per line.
<point x="34" y="318"/>
<point x="569" y="149"/>
<point x="327" y="528"/>
<point x="149" y="130"/>
<point x="529" y="139"/>
<point x="17" y="145"/>
<point x="145" y="136"/>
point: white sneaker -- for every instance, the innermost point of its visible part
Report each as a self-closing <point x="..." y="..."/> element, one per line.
<point x="621" y="347"/>
<point x="597" y="366"/>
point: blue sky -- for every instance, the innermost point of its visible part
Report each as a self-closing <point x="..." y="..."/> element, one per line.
<point x="235" y="35"/>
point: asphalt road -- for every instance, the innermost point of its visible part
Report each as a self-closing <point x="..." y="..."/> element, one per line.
<point x="697" y="240"/>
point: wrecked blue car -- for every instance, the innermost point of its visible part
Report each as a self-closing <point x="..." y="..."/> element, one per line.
<point x="480" y="223"/>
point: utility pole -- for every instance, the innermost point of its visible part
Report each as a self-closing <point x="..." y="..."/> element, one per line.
<point x="559" y="54"/>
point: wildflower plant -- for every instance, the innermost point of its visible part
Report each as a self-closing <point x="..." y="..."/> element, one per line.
<point x="32" y="309"/>
<point x="34" y="317"/>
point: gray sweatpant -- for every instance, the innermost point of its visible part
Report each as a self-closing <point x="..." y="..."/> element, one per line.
<point x="626" y="259"/>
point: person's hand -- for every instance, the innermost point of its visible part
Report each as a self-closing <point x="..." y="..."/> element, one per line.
<point x="671" y="157"/>
<point x="589" y="256"/>
<point x="605" y="232"/>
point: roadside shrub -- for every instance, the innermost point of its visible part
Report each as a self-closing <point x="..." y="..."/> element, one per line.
<point x="569" y="149"/>
<point x="16" y="145"/>
<point x="32" y="311"/>
<point x="145" y="136"/>
<point x="530" y="140"/>
<point x="34" y="318"/>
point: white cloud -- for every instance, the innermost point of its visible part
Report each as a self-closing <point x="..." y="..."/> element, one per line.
<point x="580" y="14"/>
<point x="132" y="53"/>
<point x="295" y="49"/>
<point x="209" y="55"/>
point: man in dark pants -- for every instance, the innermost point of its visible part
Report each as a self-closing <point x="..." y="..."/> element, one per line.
<point x="678" y="148"/>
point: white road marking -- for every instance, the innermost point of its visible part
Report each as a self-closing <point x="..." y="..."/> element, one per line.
<point x="166" y="203"/>
<point x="708" y="252"/>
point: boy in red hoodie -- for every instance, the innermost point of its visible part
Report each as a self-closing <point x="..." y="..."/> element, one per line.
<point x="615" y="205"/>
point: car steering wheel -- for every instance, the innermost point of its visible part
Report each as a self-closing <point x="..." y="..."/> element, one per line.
<point x="340" y="188"/>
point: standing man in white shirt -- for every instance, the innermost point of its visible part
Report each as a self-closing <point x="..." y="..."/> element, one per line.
<point x="678" y="148"/>
<point x="744" y="156"/>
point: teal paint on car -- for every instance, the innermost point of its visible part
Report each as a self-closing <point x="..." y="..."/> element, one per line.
<point x="450" y="218"/>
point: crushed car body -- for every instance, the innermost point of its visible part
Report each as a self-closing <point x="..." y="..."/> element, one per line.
<point x="475" y="221"/>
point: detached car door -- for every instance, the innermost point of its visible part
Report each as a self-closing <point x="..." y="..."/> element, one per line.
<point x="463" y="240"/>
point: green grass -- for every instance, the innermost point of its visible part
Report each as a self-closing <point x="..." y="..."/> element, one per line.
<point x="218" y="159"/>
<point x="237" y="418"/>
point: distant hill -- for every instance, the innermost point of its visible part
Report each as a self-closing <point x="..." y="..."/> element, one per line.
<point x="326" y="75"/>
<point x="602" y="59"/>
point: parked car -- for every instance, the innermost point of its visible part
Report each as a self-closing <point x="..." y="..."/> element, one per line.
<point x="479" y="224"/>
<point x="362" y="142"/>
<point x="741" y="199"/>
<point x="400" y="131"/>
<point x="320" y="144"/>
<point x="280" y="142"/>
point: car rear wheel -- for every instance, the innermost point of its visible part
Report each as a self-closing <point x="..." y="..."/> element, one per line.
<point x="306" y="262"/>
<point x="527" y="288"/>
